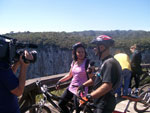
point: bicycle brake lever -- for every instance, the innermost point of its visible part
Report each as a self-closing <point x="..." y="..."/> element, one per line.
<point x="38" y="82"/>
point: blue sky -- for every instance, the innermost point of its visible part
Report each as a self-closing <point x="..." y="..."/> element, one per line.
<point x="73" y="15"/>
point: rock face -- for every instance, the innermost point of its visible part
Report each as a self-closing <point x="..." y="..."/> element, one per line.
<point x="54" y="60"/>
<point x="50" y="60"/>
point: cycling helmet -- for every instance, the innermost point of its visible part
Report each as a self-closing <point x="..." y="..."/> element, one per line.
<point x="76" y="45"/>
<point x="103" y="40"/>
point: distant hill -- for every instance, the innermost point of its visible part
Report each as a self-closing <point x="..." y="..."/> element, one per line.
<point x="67" y="39"/>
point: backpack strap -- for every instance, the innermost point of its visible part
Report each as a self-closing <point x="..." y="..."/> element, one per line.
<point x="87" y="62"/>
<point x="86" y="66"/>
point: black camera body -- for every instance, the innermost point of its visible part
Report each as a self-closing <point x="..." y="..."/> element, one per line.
<point x="11" y="49"/>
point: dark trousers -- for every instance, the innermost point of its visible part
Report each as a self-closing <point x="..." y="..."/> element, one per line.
<point x="136" y="78"/>
<point x="66" y="97"/>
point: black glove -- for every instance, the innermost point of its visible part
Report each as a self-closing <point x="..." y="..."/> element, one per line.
<point x="81" y="89"/>
<point x="58" y="84"/>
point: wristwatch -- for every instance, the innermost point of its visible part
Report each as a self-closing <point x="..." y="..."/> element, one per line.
<point x="88" y="96"/>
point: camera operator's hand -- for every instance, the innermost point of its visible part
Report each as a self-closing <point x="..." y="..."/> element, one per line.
<point x="27" y="56"/>
<point x="21" y="61"/>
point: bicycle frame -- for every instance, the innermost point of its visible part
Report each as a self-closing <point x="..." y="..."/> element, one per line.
<point x="144" y="102"/>
<point x="43" y="89"/>
<point x="49" y="96"/>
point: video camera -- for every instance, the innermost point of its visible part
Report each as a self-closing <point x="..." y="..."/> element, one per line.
<point x="11" y="49"/>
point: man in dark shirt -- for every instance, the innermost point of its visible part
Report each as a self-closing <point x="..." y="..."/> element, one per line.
<point x="10" y="85"/>
<point x="135" y="66"/>
<point x="107" y="79"/>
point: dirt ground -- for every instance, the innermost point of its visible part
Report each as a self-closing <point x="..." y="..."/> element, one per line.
<point x="121" y="106"/>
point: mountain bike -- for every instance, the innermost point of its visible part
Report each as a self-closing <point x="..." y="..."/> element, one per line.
<point x="144" y="103"/>
<point x="41" y="107"/>
<point x="144" y="94"/>
<point x="147" y="85"/>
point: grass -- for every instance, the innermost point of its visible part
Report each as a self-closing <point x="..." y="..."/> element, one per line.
<point x="56" y="92"/>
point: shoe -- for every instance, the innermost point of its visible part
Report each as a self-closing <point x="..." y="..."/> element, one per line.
<point x="136" y="92"/>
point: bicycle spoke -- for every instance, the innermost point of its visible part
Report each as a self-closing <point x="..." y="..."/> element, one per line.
<point x="144" y="104"/>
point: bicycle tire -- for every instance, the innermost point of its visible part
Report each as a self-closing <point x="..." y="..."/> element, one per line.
<point x="36" y="109"/>
<point x="144" y="88"/>
<point x="143" y="104"/>
<point x="87" y="110"/>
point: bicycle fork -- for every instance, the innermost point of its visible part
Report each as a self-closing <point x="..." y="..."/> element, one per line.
<point x="53" y="103"/>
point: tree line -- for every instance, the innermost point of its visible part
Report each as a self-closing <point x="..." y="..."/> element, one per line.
<point x="123" y="38"/>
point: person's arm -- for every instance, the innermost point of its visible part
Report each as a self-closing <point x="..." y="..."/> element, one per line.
<point x="15" y="67"/>
<point x="102" y="90"/>
<point x="88" y="83"/>
<point x="22" y="75"/>
<point x="66" y="77"/>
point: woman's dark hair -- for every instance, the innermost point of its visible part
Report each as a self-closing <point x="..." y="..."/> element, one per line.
<point x="74" y="47"/>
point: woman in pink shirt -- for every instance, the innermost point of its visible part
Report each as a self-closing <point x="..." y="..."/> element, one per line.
<point x="78" y="75"/>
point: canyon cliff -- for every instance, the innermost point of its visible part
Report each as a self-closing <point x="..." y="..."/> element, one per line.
<point x="53" y="60"/>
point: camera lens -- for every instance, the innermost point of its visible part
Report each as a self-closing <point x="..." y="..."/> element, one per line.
<point x="34" y="54"/>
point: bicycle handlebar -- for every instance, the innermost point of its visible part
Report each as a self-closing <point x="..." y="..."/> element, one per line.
<point x="84" y="100"/>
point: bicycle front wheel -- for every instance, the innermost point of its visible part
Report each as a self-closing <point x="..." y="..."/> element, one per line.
<point x="36" y="109"/>
<point x="144" y="103"/>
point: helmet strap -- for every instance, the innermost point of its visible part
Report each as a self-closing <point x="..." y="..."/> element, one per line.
<point x="101" y="52"/>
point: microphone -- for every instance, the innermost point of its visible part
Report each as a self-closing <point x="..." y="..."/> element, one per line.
<point x="24" y="45"/>
<point x="32" y="46"/>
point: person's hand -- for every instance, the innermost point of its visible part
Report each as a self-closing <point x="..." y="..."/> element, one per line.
<point x="58" y="85"/>
<point x="81" y="89"/>
<point x="27" y="56"/>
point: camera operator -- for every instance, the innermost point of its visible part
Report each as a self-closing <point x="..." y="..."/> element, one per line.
<point x="10" y="85"/>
